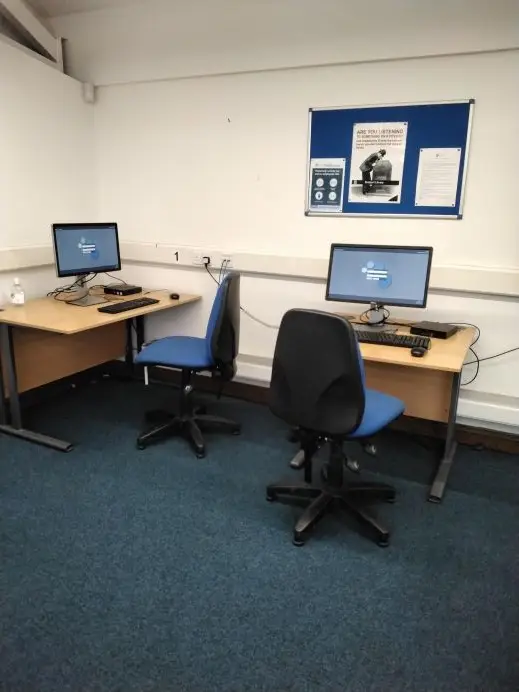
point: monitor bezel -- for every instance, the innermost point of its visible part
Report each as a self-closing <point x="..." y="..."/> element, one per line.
<point x="61" y="273"/>
<point x="404" y="248"/>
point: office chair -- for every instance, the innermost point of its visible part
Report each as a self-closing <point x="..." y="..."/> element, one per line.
<point x="318" y="387"/>
<point x="215" y="353"/>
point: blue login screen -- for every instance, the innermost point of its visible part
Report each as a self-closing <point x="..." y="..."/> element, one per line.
<point x="389" y="276"/>
<point x="83" y="250"/>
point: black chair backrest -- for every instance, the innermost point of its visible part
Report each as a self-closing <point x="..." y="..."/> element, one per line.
<point x="317" y="374"/>
<point x="223" y="329"/>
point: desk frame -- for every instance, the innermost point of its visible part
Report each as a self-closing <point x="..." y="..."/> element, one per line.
<point x="15" y="427"/>
<point x="444" y="467"/>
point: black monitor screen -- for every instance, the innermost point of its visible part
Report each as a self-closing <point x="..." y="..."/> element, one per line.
<point x="385" y="275"/>
<point x="84" y="248"/>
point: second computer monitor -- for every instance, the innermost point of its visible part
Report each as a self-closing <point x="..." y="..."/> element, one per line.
<point x="379" y="274"/>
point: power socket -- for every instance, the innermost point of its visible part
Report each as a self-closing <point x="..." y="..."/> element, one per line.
<point x="200" y="260"/>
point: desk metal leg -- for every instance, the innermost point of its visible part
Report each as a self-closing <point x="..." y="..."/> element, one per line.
<point x="129" y="344"/>
<point x="445" y="465"/>
<point x="3" y="400"/>
<point x="136" y="325"/>
<point x="15" y="429"/>
<point x="139" y="330"/>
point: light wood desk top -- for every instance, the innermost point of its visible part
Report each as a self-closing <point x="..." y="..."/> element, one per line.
<point x="445" y="354"/>
<point x="53" y="315"/>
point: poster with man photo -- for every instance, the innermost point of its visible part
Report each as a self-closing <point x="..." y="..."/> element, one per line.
<point x="377" y="162"/>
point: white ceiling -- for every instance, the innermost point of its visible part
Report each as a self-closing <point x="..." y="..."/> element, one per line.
<point x="55" y="8"/>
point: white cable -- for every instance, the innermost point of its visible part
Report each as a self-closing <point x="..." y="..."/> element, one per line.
<point x="221" y="276"/>
<point x="257" y="319"/>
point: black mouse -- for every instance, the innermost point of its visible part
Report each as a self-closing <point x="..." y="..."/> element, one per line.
<point x="418" y="351"/>
<point x="174" y="296"/>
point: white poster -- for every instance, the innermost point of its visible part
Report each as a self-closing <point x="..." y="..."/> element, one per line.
<point x="326" y="185"/>
<point x="437" y="179"/>
<point x="377" y="162"/>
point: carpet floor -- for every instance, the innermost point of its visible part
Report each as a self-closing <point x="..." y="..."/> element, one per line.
<point x="125" y="570"/>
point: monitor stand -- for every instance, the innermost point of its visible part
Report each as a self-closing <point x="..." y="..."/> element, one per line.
<point x="376" y="322"/>
<point x="87" y="299"/>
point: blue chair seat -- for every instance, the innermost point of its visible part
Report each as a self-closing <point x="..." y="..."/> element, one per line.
<point x="380" y="410"/>
<point x="188" y="352"/>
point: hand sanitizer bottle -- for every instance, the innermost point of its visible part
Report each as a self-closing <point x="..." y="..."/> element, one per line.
<point x="17" y="293"/>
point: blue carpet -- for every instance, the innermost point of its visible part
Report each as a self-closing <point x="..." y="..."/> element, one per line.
<point x="154" y="571"/>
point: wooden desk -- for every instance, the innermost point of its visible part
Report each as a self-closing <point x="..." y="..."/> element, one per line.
<point x="429" y="386"/>
<point x="46" y="340"/>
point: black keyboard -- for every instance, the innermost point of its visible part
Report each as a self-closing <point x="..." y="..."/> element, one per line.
<point x="126" y="305"/>
<point x="393" y="339"/>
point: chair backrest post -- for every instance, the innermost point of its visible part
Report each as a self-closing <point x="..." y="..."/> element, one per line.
<point x="223" y="327"/>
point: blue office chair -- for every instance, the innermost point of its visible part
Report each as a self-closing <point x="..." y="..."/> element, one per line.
<point x="215" y="353"/>
<point x="318" y="386"/>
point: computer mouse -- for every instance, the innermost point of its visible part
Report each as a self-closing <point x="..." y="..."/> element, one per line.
<point x="174" y="296"/>
<point x="418" y="351"/>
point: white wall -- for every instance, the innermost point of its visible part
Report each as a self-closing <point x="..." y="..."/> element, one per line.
<point x="159" y="39"/>
<point x="46" y="160"/>
<point x="219" y="161"/>
<point x="175" y="171"/>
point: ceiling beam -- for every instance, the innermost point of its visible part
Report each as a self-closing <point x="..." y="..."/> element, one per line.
<point x="25" y="21"/>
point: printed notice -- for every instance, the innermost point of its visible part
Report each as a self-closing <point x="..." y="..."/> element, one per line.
<point x="437" y="179"/>
<point x="326" y="185"/>
<point x="377" y="162"/>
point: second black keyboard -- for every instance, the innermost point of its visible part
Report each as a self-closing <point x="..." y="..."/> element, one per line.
<point x="392" y="339"/>
<point x="125" y="305"/>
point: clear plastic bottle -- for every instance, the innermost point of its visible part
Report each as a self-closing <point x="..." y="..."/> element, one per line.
<point x="17" y="293"/>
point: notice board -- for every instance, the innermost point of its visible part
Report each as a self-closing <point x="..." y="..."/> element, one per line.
<point x="400" y="160"/>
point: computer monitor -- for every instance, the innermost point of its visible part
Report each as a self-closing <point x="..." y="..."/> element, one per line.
<point x="86" y="248"/>
<point x="380" y="275"/>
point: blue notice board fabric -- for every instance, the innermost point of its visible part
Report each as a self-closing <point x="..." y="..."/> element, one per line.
<point x="429" y="125"/>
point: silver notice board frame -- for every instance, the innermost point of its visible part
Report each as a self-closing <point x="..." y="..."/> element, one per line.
<point x="346" y="153"/>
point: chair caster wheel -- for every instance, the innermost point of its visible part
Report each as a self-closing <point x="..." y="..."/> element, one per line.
<point x="271" y="497"/>
<point x="200" y="455"/>
<point x="383" y="542"/>
<point x="140" y="445"/>
<point x="391" y="500"/>
<point x="298" y="541"/>
<point x="237" y="432"/>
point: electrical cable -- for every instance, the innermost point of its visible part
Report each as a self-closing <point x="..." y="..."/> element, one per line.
<point x="469" y="324"/>
<point x="464" y="384"/>
<point x="471" y="349"/>
<point x="71" y="288"/>
<point x="117" y="278"/>
<point x="387" y="314"/>
<point x="364" y="317"/>
<point x="244" y="310"/>
<point x="496" y="355"/>
<point x="223" y="264"/>
<point x="477" y="360"/>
